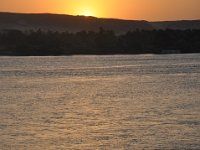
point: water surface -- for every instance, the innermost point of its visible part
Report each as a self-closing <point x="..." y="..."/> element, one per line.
<point x="100" y="102"/>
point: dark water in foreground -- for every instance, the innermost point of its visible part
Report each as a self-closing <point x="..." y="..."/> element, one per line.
<point x="100" y="102"/>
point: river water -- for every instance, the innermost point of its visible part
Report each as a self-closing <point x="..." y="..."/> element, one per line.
<point x="100" y="102"/>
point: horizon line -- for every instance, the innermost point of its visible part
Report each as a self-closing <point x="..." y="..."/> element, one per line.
<point x="51" y="13"/>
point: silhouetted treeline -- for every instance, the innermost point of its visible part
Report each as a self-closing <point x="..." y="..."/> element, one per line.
<point x="14" y="42"/>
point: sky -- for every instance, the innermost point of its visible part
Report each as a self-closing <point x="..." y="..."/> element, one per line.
<point x="151" y="10"/>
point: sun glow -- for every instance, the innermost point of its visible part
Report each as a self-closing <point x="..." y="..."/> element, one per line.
<point x="151" y="10"/>
<point x="87" y="13"/>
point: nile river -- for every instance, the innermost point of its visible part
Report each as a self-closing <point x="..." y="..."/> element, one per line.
<point x="100" y="102"/>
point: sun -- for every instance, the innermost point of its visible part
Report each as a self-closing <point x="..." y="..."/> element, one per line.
<point x="86" y="13"/>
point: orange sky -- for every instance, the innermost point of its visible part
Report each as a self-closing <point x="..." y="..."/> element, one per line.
<point x="125" y="9"/>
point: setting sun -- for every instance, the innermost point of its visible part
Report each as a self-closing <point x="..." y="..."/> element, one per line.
<point x="86" y="12"/>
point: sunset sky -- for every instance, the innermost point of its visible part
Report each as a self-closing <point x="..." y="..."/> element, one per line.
<point x="152" y="10"/>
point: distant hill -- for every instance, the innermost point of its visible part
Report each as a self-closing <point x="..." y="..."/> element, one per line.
<point x="181" y="25"/>
<point x="57" y="22"/>
<point x="69" y="23"/>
